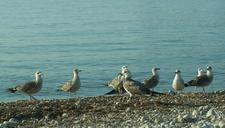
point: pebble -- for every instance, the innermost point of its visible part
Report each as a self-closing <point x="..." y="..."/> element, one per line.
<point x="3" y="125"/>
<point x="172" y="122"/>
<point x="13" y="120"/>
<point x="195" y="113"/>
<point x="171" y="92"/>
<point x="142" y="118"/>
<point x="156" y="121"/>
<point x="64" y="115"/>
<point x="216" y="126"/>
<point x="163" y="113"/>
<point x="145" y="126"/>
<point x="128" y="109"/>
<point x="211" y="113"/>
<point x="222" y="124"/>
<point x="179" y="118"/>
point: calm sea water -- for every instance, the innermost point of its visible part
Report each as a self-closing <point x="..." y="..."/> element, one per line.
<point x="99" y="36"/>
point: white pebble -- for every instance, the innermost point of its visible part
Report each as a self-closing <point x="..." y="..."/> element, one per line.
<point x="5" y="122"/>
<point x="195" y="113"/>
<point x="145" y="126"/>
<point x="211" y="112"/>
<point x="64" y="115"/>
<point x="13" y="120"/>
<point x="216" y="126"/>
<point x="179" y="118"/>
<point x="128" y="109"/>
<point x="156" y="121"/>
<point x="222" y="124"/>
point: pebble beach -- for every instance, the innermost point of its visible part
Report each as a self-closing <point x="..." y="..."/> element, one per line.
<point x="197" y="110"/>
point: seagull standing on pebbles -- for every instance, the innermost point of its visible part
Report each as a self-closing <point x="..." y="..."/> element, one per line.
<point x="152" y="82"/>
<point x="178" y="82"/>
<point x="133" y="87"/>
<point x="202" y="80"/>
<point x="117" y="82"/>
<point x="73" y="85"/>
<point x="29" y="87"/>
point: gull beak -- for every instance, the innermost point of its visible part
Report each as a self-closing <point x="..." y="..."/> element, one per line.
<point x="209" y="68"/>
<point x="177" y="71"/>
<point x="157" y="68"/>
<point x="79" y="70"/>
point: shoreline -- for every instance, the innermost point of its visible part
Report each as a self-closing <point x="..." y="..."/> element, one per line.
<point x="180" y="110"/>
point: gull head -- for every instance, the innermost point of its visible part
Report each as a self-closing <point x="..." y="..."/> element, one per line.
<point x="177" y="71"/>
<point x="155" y="69"/>
<point x="209" y="68"/>
<point x="76" y="71"/>
<point x="124" y="68"/>
<point x="38" y="74"/>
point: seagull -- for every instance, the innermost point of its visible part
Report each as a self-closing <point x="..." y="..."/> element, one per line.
<point x="73" y="85"/>
<point x="133" y="87"/>
<point x="153" y="80"/>
<point x="202" y="80"/>
<point x="29" y="87"/>
<point x="117" y="82"/>
<point x="178" y="82"/>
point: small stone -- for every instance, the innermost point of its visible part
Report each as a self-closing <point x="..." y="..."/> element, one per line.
<point x="5" y="122"/>
<point x="216" y="126"/>
<point x="54" y="122"/>
<point x="186" y="116"/>
<point x="204" y="124"/>
<point x="156" y="121"/>
<point x="213" y="119"/>
<point x="173" y="122"/>
<point x="128" y="109"/>
<point x="117" y="103"/>
<point x="142" y="118"/>
<point x="64" y="115"/>
<point x="13" y="120"/>
<point x="3" y="125"/>
<point x="145" y="126"/>
<point x="222" y="124"/>
<point x="211" y="113"/>
<point x="179" y="118"/>
<point x="171" y="92"/>
<point x="195" y="113"/>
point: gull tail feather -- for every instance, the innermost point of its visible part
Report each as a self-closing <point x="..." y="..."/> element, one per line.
<point x="188" y="84"/>
<point x="12" y="90"/>
<point x="112" y="92"/>
<point x="59" y="90"/>
<point x="105" y="84"/>
<point x="154" y="93"/>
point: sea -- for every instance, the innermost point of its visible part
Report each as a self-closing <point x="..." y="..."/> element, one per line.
<point x="100" y="36"/>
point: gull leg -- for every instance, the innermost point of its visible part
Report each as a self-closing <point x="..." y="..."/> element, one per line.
<point x="129" y="100"/>
<point x="130" y="97"/>
<point x="72" y="94"/>
<point x="120" y="90"/>
<point x="32" y="98"/>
